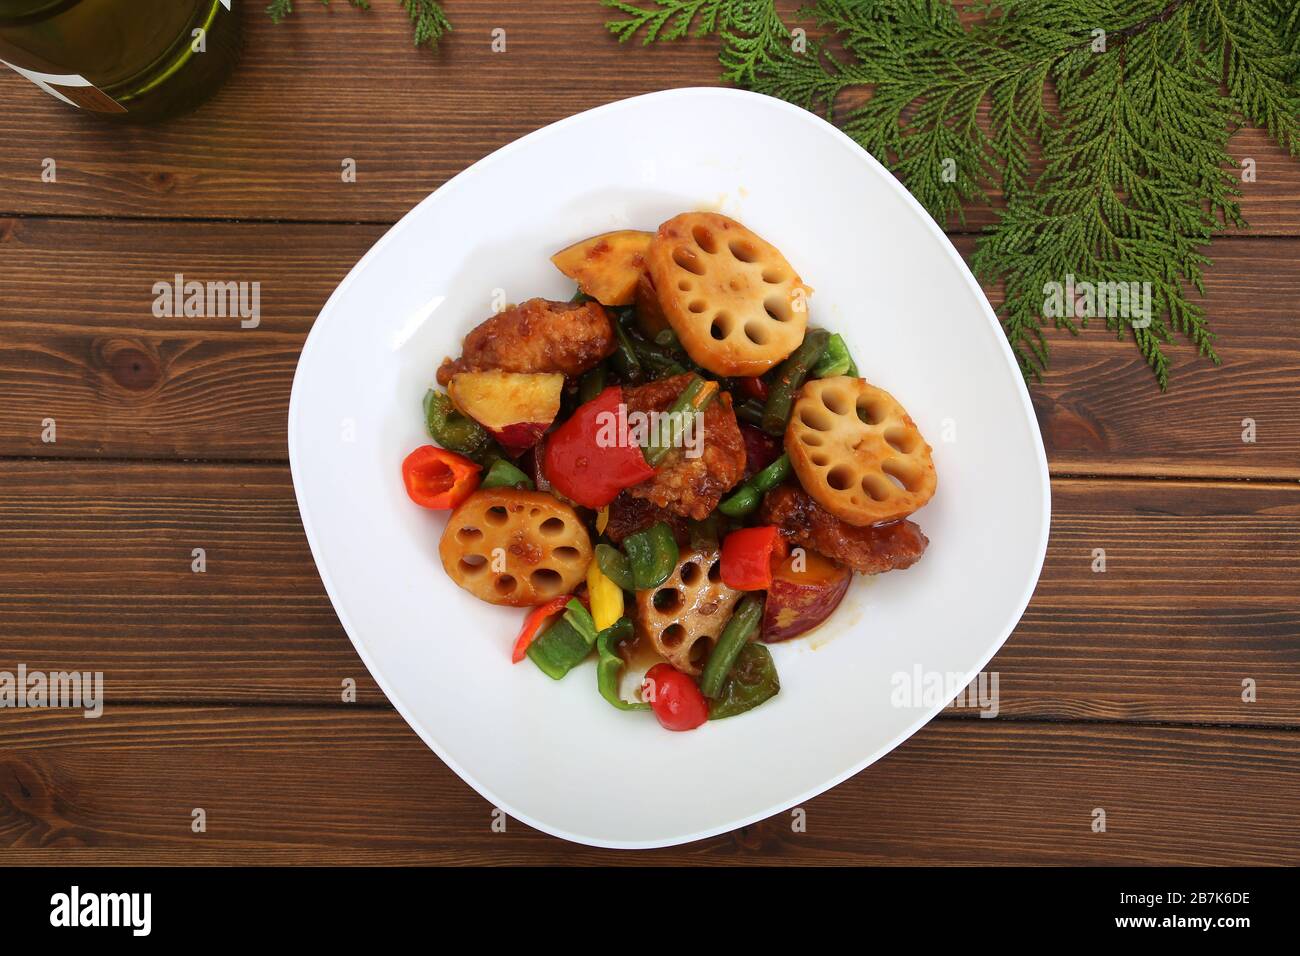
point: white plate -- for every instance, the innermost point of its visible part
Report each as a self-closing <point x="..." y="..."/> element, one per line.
<point x="556" y="755"/>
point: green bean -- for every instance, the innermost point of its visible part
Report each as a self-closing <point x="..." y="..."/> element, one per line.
<point x="752" y="681"/>
<point x="750" y="494"/>
<point x="789" y="376"/>
<point x="750" y="411"/>
<point x="695" y="397"/>
<point x="732" y="641"/>
<point x="613" y="564"/>
<point x="592" y="383"/>
<point x="651" y="556"/>
<point x="624" y="359"/>
<point x="704" y="535"/>
<point x="656" y="359"/>
<point x="836" y="361"/>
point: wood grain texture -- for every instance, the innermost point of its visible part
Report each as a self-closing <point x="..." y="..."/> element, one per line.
<point x="333" y="84"/>
<point x="1201" y="591"/>
<point x="79" y="343"/>
<point x="336" y="786"/>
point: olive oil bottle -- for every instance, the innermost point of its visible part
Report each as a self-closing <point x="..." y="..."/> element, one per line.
<point x="123" y="59"/>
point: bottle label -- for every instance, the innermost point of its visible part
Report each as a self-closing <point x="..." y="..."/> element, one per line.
<point x="72" y="89"/>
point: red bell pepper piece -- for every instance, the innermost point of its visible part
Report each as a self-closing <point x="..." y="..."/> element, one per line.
<point x="533" y="624"/>
<point x="747" y="557"/>
<point x="754" y="387"/>
<point x="589" y="459"/>
<point x="437" y="478"/>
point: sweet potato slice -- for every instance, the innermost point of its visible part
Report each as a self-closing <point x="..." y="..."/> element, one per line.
<point x="606" y="267"/>
<point x="516" y="407"/>
<point x="806" y="589"/>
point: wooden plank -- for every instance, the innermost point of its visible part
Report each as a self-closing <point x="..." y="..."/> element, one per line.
<point x="292" y="785"/>
<point x="335" y="84"/>
<point x="97" y="573"/>
<point x="1201" y="591"/>
<point x="81" y="345"/>
<point x="1100" y="411"/>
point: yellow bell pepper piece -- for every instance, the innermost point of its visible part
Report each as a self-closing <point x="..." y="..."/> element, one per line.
<point x="606" y="597"/>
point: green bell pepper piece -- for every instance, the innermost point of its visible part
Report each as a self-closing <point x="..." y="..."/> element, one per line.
<point x="752" y="680"/>
<point x="502" y="474"/>
<point x="454" y="431"/>
<point x="563" y="645"/>
<point x="651" y="556"/>
<point x="614" y="566"/>
<point x="610" y="665"/>
<point x="731" y="642"/>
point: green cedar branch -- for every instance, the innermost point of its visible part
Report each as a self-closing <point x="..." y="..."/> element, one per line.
<point x="428" y="20"/>
<point x="1102" y="123"/>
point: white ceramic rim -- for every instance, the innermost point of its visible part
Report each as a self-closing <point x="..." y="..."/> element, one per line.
<point x="460" y="181"/>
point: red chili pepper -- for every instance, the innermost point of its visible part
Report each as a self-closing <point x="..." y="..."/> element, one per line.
<point x="533" y="624"/>
<point x="747" y="557"/>
<point x="674" y="697"/>
<point x="589" y="458"/>
<point x="437" y="478"/>
<point x="754" y="387"/>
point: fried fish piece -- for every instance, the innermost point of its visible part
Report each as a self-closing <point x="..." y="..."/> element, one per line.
<point x="536" y="336"/>
<point x="869" y="549"/>
<point x="691" y="486"/>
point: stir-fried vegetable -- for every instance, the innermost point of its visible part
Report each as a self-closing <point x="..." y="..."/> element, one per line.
<point x="674" y="698"/>
<point x="533" y="624"/>
<point x="750" y="494"/>
<point x="609" y="665"/>
<point x="749" y="412"/>
<point x="613" y="564"/>
<point x="502" y="474"/>
<point x="605" y="595"/>
<point x="747" y="557"/>
<point x="563" y="645"/>
<point x="624" y="359"/>
<point x="836" y="360"/>
<point x="437" y="478"/>
<point x="588" y="464"/>
<point x="734" y="636"/>
<point x="790" y="374"/>
<point x="651" y="556"/>
<point x="592" y="383"/>
<point x="752" y="680"/>
<point x="454" y="431"/>
<point x="695" y="397"/>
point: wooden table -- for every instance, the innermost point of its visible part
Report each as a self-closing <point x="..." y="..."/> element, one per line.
<point x="1121" y="690"/>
